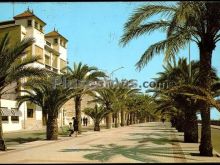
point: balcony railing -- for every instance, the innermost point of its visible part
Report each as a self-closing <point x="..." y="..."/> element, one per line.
<point x="55" y="70"/>
<point x="48" y="43"/>
<point x="47" y="66"/>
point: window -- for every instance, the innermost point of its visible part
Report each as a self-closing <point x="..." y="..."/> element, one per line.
<point x="30" y="113"/>
<point x="48" y="43"/>
<point x="29" y="23"/>
<point x="14" y="118"/>
<point x="55" y="41"/>
<point x="4" y="118"/>
<point x="36" y="25"/>
<point x="41" y="28"/>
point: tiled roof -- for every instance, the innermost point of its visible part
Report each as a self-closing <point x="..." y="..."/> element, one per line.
<point x="54" y="34"/>
<point x="27" y="13"/>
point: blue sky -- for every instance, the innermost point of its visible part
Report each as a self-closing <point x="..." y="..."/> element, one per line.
<point x="94" y="29"/>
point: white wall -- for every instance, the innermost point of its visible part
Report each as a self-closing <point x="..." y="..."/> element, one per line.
<point x="12" y="126"/>
<point x="39" y="38"/>
<point x="23" y="32"/>
<point x="63" y="53"/>
<point x="38" y="112"/>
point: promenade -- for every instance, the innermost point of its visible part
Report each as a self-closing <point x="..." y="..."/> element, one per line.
<point x="148" y="142"/>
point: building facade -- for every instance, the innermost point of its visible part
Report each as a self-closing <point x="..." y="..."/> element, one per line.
<point x="52" y="48"/>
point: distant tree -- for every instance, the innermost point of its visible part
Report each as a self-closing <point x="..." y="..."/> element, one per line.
<point x="97" y="114"/>
<point x="82" y="74"/>
<point x="43" y="93"/>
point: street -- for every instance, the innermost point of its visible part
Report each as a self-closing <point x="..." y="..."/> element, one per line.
<point x="151" y="142"/>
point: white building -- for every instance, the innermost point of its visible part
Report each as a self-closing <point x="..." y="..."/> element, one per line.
<point x="52" y="47"/>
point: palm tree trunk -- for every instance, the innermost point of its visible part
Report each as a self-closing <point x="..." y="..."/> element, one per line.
<point x="205" y="147"/>
<point x="142" y="119"/>
<point x="52" y="128"/>
<point x="147" y="118"/>
<point x="180" y="122"/>
<point x="117" y="120"/>
<point x="96" y="126"/>
<point x="128" y="117"/>
<point x="131" y="118"/>
<point x="109" y="121"/>
<point x="206" y="49"/>
<point x="78" y="112"/>
<point x="122" y="118"/>
<point x="190" y="126"/>
<point x="44" y="118"/>
<point x="134" y="118"/>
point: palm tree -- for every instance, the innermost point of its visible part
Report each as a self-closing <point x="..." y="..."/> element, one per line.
<point x="97" y="114"/>
<point x="187" y="21"/>
<point x="125" y="88"/>
<point x="146" y="107"/>
<point x="14" y="66"/>
<point x="169" y="105"/>
<point x="139" y="106"/>
<point x="43" y="93"/>
<point x="105" y="97"/>
<point x="189" y="107"/>
<point x="181" y="75"/>
<point x="82" y="75"/>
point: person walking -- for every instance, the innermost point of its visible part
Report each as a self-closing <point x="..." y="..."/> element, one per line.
<point x="75" y="126"/>
<point x="71" y="129"/>
<point x="86" y="121"/>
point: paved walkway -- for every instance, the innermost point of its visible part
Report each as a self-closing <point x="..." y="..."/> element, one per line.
<point x="148" y="142"/>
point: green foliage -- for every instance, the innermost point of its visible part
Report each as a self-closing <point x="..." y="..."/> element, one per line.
<point x="96" y="113"/>
<point x="42" y="92"/>
<point x="142" y="104"/>
<point x="186" y="20"/>
<point x="83" y="75"/>
<point x="14" y="62"/>
<point x="185" y="92"/>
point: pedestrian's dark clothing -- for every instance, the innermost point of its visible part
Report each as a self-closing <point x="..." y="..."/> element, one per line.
<point x="75" y="125"/>
<point x="86" y="121"/>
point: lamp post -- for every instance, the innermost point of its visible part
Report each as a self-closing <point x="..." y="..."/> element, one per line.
<point x="111" y="74"/>
<point x="190" y="62"/>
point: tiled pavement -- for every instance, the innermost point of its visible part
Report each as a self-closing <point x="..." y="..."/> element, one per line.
<point x="147" y="142"/>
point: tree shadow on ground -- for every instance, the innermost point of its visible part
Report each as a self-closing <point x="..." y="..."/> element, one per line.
<point x="141" y="153"/>
<point x="155" y="138"/>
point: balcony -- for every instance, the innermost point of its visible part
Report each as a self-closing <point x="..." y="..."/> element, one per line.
<point x="55" y="70"/>
<point x="47" y="67"/>
<point x="48" y="43"/>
